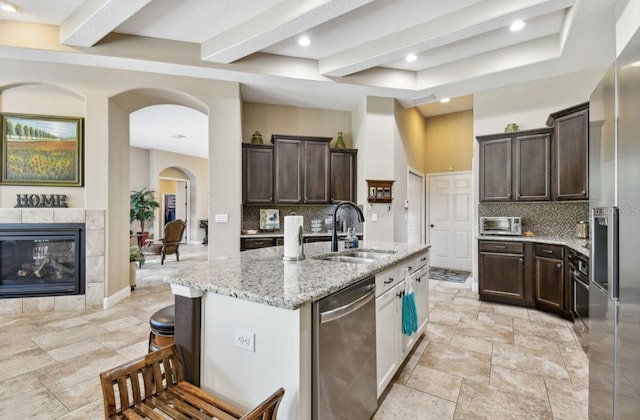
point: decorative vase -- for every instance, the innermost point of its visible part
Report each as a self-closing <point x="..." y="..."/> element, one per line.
<point x="256" y="138"/>
<point x="340" y="141"/>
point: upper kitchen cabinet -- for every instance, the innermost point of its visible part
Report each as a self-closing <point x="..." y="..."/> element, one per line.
<point x="495" y="168"/>
<point x="531" y="167"/>
<point x="515" y="166"/>
<point x="257" y="174"/>
<point x="343" y="175"/>
<point x="301" y="169"/>
<point x="570" y="167"/>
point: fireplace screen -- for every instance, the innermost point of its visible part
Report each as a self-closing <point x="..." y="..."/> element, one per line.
<point x="41" y="259"/>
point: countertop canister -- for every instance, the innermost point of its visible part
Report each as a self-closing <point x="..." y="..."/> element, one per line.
<point x="582" y="229"/>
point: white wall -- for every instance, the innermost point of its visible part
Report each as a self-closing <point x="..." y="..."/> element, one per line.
<point x="198" y="171"/>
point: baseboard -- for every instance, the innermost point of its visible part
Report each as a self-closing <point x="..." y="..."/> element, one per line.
<point x="117" y="297"/>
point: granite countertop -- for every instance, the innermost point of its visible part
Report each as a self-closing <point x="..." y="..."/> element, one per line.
<point x="260" y="275"/>
<point x="573" y="243"/>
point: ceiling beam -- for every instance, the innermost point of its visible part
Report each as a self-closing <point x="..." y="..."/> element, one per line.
<point x="94" y="19"/>
<point x="287" y="19"/>
<point x="462" y="24"/>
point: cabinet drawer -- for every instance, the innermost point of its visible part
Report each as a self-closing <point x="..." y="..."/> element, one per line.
<point x="255" y="243"/>
<point x="386" y="280"/>
<point x="549" y="251"/>
<point x="502" y="247"/>
<point x="420" y="261"/>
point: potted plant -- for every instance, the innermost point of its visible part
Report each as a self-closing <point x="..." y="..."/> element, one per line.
<point x="135" y="256"/>
<point x="142" y="209"/>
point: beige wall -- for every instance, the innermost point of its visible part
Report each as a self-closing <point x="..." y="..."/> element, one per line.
<point x="449" y="142"/>
<point x="277" y="119"/>
<point x="61" y="89"/>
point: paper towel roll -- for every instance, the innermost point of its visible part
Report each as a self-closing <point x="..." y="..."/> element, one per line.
<point x="293" y="247"/>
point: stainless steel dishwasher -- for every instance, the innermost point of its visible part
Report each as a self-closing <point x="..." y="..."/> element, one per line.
<point x="344" y="354"/>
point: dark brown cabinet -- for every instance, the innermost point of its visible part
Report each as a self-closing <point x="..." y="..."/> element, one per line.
<point x="503" y="273"/>
<point x="288" y="170"/>
<point x="515" y="166"/>
<point x="316" y="171"/>
<point x="495" y="168"/>
<point x="525" y="274"/>
<point x="570" y="167"/>
<point x="257" y="174"/>
<point x="255" y="243"/>
<point x="532" y="167"/>
<point x="343" y="175"/>
<point x="549" y="283"/>
<point x="301" y="169"/>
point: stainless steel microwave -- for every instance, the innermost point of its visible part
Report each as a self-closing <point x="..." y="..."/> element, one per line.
<point x="501" y="226"/>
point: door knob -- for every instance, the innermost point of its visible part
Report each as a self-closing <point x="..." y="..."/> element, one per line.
<point x="432" y="225"/>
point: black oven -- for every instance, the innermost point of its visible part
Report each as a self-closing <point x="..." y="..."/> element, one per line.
<point x="579" y="272"/>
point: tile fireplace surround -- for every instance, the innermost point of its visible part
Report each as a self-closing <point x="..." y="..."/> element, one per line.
<point x="94" y="253"/>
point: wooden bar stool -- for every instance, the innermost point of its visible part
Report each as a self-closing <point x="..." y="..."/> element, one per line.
<point x="153" y="387"/>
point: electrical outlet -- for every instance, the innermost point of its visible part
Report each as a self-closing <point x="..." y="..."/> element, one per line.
<point x="245" y="340"/>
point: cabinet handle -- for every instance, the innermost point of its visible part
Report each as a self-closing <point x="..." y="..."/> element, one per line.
<point x="583" y="192"/>
<point x="389" y="281"/>
<point x="418" y="279"/>
<point x="409" y="268"/>
<point x="547" y="251"/>
<point x="501" y="247"/>
<point x="258" y="243"/>
<point x="559" y="265"/>
<point x="509" y="195"/>
<point x="521" y="259"/>
<point x="400" y="294"/>
<point x="423" y="259"/>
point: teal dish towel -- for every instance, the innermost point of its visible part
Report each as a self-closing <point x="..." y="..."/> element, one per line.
<point x="409" y="314"/>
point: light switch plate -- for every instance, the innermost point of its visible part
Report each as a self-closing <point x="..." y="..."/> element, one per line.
<point x="374" y="217"/>
<point x="221" y="218"/>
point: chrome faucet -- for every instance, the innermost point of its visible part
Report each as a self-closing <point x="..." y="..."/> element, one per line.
<point x="334" y="234"/>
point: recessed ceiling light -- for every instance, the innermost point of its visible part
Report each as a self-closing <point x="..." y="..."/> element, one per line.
<point x="517" y="25"/>
<point x="304" y="41"/>
<point x="445" y="100"/>
<point x="9" y="7"/>
<point x="410" y="58"/>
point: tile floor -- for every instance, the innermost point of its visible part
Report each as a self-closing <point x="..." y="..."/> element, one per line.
<point x="477" y="360"/>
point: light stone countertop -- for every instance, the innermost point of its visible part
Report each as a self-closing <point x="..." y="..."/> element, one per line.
<point x="260" y="275"/>
<point x="573" y="243"/>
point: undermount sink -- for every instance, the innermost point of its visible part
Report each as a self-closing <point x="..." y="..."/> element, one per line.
<point x="347" y="259"/>
<point x="376" y="255"/>
<point x="357" y="256"/>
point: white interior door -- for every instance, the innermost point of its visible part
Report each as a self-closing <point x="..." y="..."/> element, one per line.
<point x="450" y="220"/>
<point x="415" y="200"/>
<point x="182" y="205"/>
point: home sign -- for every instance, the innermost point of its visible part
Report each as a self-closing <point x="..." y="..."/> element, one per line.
<point x="41" y="200"/>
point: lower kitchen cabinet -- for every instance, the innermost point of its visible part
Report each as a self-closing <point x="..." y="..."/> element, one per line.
<point x="524" y="274"/>
<point x="255" y="243"/>
<point x="392" y="345"/>
<point x="549" y="283"/>
<point x="502" y="273"/>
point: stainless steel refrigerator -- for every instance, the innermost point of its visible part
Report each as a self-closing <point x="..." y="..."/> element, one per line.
<point x="614" y="201"/>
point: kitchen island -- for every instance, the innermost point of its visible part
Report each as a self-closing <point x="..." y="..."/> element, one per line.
<point x="256" y="317"/>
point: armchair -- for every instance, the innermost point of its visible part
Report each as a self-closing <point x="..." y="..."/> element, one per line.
<point x="172" y="236"/>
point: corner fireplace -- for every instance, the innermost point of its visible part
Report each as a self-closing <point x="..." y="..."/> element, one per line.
<point x="42" y="259"/>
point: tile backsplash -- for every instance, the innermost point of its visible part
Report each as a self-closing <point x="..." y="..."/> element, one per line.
<point x="251" y="215"/>
<point x="554" y="219"/>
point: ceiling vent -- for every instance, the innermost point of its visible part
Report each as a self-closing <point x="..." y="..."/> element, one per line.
<point x="424" y="99"/>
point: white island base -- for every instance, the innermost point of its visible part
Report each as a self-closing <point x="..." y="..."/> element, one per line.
<point x="282" y="356"/>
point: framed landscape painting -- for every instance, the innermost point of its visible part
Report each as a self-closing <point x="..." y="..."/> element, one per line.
<point x="42" y="150"/>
